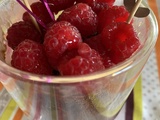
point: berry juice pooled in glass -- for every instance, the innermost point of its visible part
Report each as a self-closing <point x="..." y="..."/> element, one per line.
<point x="70" y="39"/>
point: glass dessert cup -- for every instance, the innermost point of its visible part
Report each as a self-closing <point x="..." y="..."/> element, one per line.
<point x="96" y="96"/>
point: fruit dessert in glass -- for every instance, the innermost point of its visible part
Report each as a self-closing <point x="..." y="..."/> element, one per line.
<point x="72" y="59"/>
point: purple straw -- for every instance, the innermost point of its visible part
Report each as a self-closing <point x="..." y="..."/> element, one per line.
<point x="31" y="13"/>
<point x="48" y="9"/>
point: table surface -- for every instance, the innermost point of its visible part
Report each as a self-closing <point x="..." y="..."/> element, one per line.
<point x="147" y="90"/>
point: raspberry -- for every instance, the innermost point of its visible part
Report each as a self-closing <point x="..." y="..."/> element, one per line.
<point x="87" y="61"/>
<point x="30" y="56"/>
<point x="120" y="40"/>
<point x="97" y="5"/>
<point x="69" y="54"/>
<point x="57" y="5"/>
<point x="95" y="43"/>
<point x="110" y="15"/>
<point x="82" y="16"/>
<point x="107" y="62"/>
<point x="20" y="31"/>
<point x="40" y="11"/>
<point x="60" y="37"/>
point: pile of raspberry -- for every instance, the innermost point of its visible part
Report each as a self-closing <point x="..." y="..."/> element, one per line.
<point x="88" y="36"/>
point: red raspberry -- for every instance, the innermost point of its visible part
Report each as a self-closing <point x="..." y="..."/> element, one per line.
<point x="20" y="31"/>
<point x="110" y="15"/>
<point x="39" y="9"/>
<point x="57" y="5"/>
<point x="60" y="37"/>
<point x="69" y="54"/>
<point x="107" y="62"/>
<point x="30" y="56"/>
<point x="95" y="43"/>
<point x="81" y="16"/>
<point x="87" y="61"/>
<point x="120" y="40"/>
<point x="97" y="5"/>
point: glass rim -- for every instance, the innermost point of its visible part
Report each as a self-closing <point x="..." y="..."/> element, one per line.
<point x="121" y="67"/>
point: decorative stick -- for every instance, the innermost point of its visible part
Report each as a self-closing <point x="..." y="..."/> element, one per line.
<point x="135" y="8"/>
<point x="32" y="18"/>
<point x="48" y="9"/>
